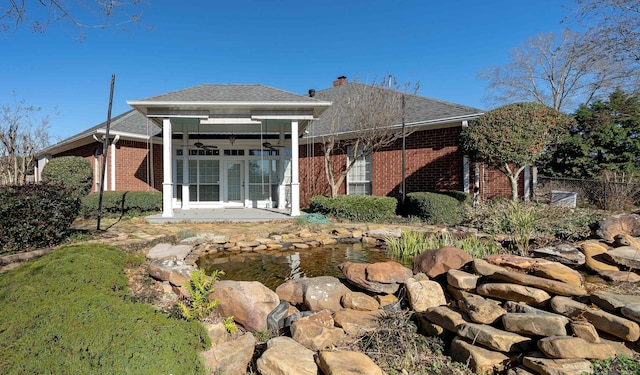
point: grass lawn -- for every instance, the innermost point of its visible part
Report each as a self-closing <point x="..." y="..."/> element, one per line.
<point x="70" y="312"/>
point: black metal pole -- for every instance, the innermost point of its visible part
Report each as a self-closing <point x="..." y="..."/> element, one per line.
<point x="404" y="149"/>
<point x="105" y="145"/>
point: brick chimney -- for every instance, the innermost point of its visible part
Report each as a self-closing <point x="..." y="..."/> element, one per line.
<point x="341" y="81"/>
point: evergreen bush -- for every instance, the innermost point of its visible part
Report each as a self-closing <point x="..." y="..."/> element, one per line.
<point x="70" y="312"/>
<point x="118" y="203"/>
<point x="362" y="208"/>
<point x="73" y="172"/>
<point x="34" y="216"/>
<point x="435" y="208"/>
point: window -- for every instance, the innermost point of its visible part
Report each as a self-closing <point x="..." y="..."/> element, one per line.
<point x="359" y="177"/>
<point x="204" y="176"/>
<point x="263" y="179"/>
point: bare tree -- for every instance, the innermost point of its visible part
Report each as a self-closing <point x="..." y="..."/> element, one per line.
<point x="614" y="23"/>
<point x="39" y="15"/>
<point x="365" y="117"/>
<point x="557" y="71"/>
<point x="22" y="132"/>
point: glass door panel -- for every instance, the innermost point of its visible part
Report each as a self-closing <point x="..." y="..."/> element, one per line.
<point x="234" y="181"/>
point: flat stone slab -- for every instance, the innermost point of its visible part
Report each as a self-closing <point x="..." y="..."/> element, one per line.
<point x="558" y="366"/>
<point x="445" y="317"/>
<point x="625" y="255"/>
<point x="563" y="253"/>
<point x="494" y="338"/>
<point x="462" y="280"/>
<point x="166" y="250"/>
<point x="631" y="311"/>
<point x="535" y="324"/>
<point x="602" y="320"/>
<point x="514" y="292"/>
<point x="479" y="309"/>
<point x="479" y="360"/>
<point x="613" y="302"/>
<point x="551" y="286"/>
<point x="567" y="347"/>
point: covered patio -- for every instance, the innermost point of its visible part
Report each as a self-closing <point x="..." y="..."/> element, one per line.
<point x="228" y="147"/>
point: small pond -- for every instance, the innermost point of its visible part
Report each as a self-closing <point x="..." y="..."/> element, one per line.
<point x="275" y="267"/>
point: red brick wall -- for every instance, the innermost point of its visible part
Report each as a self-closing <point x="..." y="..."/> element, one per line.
<point x="494" y="183"/>
<point x="433" y="163"/>
<point x="131" y="164"/>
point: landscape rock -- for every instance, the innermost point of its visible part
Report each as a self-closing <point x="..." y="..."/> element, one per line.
<point x="358" y="275"/>
<point x="436" y="262"/>
<point x="480" y="310"/>
<point x="217" y="332"/>
<point x="551" y="286"/>
<point x="593" y="251"/>
<point x="611" y="226"/>
<point x="424" y="294"/>
<point x="520" y="371"/>
<point x="316" y="331"/>
<point x="347" y="363"/>
<point x="621" y="276"/>
<point x="165" y="250"/>
<point x="624" y="255"/>
<point x="462" y="280"/>
<point x="382" y="233"/>
<point x="535" y="324"/>
<point x="585" y="330"/>
<point x="359" y="301"/>
<point x="284" y="356"/>
<point x="231" y="357"/>
<point x="249" y="302"/>
<point x="161" y="269"/>
<point x="602" y="320"/>
<point x="631" y="311"/>
<point x="539" y="267"/>
<point x="479" y="360"/>
<point x="444" y="317"/>
<point x="613" y="302"/>
<point x="564" y="253"/>
<point x="494" y="338"/>
<point x="354" y="322"/>
<point x="567" y="347"/>
<point x="547" y="366"/>
<point x="484" y="268"/>
<point x="314" y="293"/>
<point x="514" y="292"/>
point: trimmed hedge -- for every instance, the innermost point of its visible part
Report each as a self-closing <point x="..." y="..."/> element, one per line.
<point x="118" y="203"/>
<point x="355" y="207"/>
<point x="34" y="216"/>
<point x="435" y="208"/>
<point x="74" y="172"/>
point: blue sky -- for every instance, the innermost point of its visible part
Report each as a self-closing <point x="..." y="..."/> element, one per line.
<point x="290" y="45"/>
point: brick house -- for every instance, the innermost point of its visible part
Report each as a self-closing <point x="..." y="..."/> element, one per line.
<point x="257" y="146"/>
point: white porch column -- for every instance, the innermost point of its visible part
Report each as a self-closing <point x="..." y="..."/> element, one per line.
<point x="185" y="167"/>
<point x="295" y="183"/>
<point x="282" y="191"/>
<point x="167" y="157"/>
<point x="113" y="162"/>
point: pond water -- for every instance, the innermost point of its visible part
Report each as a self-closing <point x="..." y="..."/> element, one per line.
<point x="275" y="267"/>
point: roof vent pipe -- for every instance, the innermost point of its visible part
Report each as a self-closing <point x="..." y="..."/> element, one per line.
<point x="342" y="80"/>
<point x="312" y="93"/>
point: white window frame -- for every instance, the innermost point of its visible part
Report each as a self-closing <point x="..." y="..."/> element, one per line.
<point x="368" y="172"/>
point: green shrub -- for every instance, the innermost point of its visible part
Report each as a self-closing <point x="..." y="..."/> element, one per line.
<point x="362" y="208"/>
<point x="435" y="208"/>
<point x="118" y="203"/>
<point x="33" y="216"/>
<point x="73" y="172"/>
<point x="198" y="306"/>
<point x="411" y="244"/>
<point x="70" y="312"/>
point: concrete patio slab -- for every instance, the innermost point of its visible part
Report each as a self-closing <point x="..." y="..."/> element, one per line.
<point x="222" y="214"/>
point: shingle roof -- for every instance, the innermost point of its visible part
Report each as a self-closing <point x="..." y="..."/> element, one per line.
<point x="230" y="93"/>
<point x="418" y="109"/>
<point x="131" y="121"/>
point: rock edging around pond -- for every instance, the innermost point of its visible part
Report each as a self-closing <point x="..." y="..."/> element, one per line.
<point x="502" y="313"/>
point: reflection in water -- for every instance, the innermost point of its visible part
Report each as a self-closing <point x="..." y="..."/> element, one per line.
<point x="275" y="267"/>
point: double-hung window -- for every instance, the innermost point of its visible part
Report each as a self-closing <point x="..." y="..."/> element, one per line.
<point x="359" y="177"/>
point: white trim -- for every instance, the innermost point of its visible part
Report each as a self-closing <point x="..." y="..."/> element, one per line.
<point x="124" y="134"/>
<point x="284" y="117"/>
<point x="295" y="183"/>
<point x="186" y="198"/>
<point x="167" y="157"/>
<point x="229" y="121"/>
